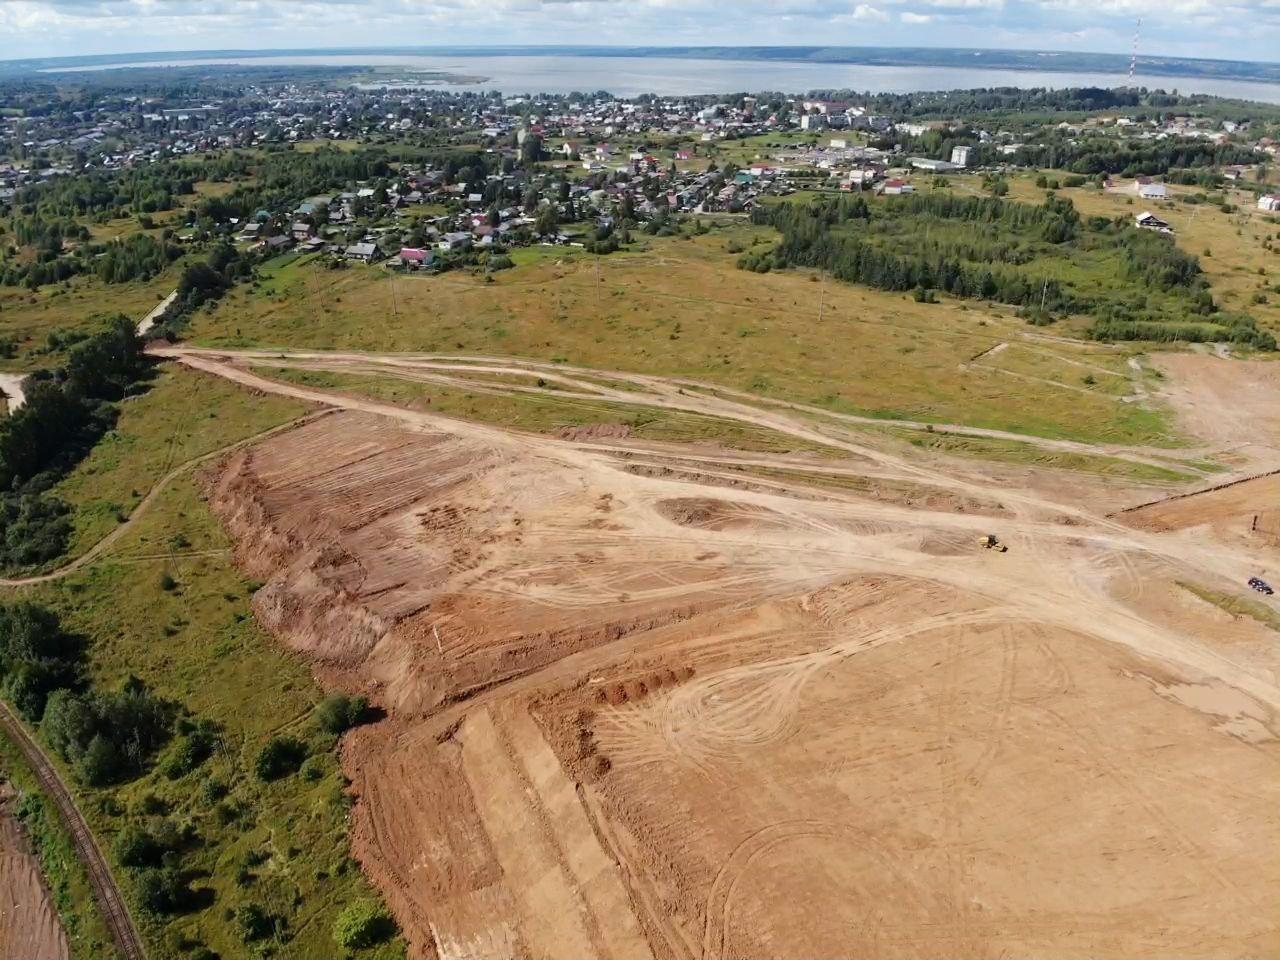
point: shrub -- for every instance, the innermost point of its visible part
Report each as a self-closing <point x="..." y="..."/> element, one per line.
<point x="279" y="757"/>
<point x="254" y="923"/>
<point x="108" y="737"/>
<point x="362" y="924"/>
<point x="338" y="713"/>
<point x="135" y="847"/>
<point x="163" y="891"/>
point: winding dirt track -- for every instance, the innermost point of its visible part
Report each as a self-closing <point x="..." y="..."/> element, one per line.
<point x="108" y="541"/>
<point x="110" y="901"/>
<point x="670" y="393"/>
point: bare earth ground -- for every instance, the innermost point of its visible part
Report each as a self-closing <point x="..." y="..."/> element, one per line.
<point x="29" y="924"/>
<point x="640" y="704"/>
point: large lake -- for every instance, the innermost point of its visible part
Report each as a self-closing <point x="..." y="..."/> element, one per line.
<point x="672" y="76"/>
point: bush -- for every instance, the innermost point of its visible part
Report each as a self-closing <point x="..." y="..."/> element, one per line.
<point x="108" y="737"/>
<point x="362" y="924"/>
<point x="279" y="757"/>
<point x="191" y="749"/>
<point x="135" y="847"/>
<point x="338" y="713"/>
<point x="163" y="891"/>
<point x="254" y="923"/>
<point x="36" y="657"/>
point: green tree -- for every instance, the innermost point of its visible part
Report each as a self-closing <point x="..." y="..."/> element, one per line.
<point x="361" y="924"/>
<point x="547" y="221"/>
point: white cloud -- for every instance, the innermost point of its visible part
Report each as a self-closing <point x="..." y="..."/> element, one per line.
<point x="1212" y="28"/>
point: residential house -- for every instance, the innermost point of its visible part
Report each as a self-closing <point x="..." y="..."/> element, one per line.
<point x="1149" y="189"/>
<point x="1270" y="203"/>
<point x="1149" y="221"/>
<point x="416" y="258"/>
<point x="895" y="186"/>
<point x="455" y="241"/>
<point x="277" y="244"/>
<point x="364" y="252"/>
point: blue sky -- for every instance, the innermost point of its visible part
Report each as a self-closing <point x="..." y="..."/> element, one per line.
<point x="1234" y="29"/>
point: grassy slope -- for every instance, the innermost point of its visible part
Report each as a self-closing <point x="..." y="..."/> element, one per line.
<point x="200" y="645"/>
<point x="1235" y="605"/>
<point x="28" y="317"/>
<point x="67" y="879"/>
<point x="184" y="415"/>
<point x="679" y="306"/>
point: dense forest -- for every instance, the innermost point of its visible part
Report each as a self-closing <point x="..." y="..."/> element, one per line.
<point x="1044" y="259"/>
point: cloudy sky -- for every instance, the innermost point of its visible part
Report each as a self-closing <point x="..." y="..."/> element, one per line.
<point x="1231" y="29"/>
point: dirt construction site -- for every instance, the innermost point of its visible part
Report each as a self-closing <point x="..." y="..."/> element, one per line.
<point x="649" y="699"/>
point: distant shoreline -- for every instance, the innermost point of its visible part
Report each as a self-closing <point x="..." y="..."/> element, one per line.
<point x="1018" y="60"/>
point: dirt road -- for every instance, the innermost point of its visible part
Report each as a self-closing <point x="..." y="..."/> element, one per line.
<point x="110" y="901"/>
<point x="670" y="393"/>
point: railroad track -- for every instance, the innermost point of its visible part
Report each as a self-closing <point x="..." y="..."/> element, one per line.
<point x="105" y="891"/>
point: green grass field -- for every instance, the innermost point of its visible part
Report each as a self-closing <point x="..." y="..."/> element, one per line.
<point x="196" y="642"/>
<point x="64" y="874"/>
<point x="28" y="317"/>
<point x="678" y="306"/>
<point x="181" y="416"/>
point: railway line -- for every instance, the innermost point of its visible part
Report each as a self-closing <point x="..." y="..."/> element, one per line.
<point x="105" y="889"/>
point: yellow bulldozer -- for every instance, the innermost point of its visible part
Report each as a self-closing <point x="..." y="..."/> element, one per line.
<point x="992" y="542"/>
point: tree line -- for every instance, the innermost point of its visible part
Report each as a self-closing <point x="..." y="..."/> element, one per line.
<point x="66" y="411"/>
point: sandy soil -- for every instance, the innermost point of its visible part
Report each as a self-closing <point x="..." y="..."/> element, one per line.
<point x="647" y="712"/>
<point x="1230" y="404"/>
<point x="29" y="924"/>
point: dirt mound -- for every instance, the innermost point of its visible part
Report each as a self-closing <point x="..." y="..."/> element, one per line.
<point x="595" y="431"/>
<point x="712" y="514"/>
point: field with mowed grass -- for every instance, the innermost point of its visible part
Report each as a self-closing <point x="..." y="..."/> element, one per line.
<point x="679" y="306"/>
<point x="167" y="605"/>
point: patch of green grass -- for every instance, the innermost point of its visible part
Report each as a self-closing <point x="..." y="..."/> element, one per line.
<point x="182" y="415"/>
<point x="166" y="604"/>
<point x="675" y="307"/>
<point x="1011" y="451"/>
<point x="549" y="412"/>
<point x="1235" y="605"/>
<point x="64" y="874"/>
<point x="28" y="317"/>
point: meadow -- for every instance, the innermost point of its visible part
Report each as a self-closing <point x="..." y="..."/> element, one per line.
<point x="166" y="604"/>
<point x="677" y="306"/>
